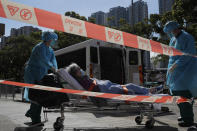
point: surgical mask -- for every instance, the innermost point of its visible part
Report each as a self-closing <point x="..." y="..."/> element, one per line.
<point x="170" y="35"/>
<point x="82" y="72"/>
<point x="52" y="43"/>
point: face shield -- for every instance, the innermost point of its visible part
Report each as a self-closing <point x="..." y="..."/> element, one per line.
<point x="82" y="72"/>
<point x="54" y="44"/>
<point x="170" y="35"/>
<point x="169" y="27"/>
<point x="52" y="37"/>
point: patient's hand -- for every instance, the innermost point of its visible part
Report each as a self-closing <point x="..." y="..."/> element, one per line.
<point x="153" y="90"/>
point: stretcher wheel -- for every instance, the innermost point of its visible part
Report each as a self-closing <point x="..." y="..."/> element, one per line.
<point x="59" y="120"/>
<point x="150" y="123"/>
<point x="58" y="125"/>
<point x="193" y="128"/>
<point x="138" y="120"/>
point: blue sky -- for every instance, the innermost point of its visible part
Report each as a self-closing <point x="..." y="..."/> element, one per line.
<point x="83" y="7"/>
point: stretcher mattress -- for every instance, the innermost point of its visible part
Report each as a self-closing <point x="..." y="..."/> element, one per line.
<point x="66" y="77"/>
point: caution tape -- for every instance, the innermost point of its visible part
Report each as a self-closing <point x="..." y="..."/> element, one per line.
<point x="131" y="98"/>
<point x="31" y="15"/>
<point x="43" y="18"/>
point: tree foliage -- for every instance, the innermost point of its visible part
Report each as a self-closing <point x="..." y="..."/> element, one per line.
<point x="143" y="29"/>
<point x="183" y="11"/>
<point x="75" y="15"/>
<point x="14" y="56"/>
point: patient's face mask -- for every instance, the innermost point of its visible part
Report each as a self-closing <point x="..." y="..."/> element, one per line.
<point x="82" y="72"/>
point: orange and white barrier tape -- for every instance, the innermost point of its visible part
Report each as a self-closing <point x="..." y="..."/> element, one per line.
<point x="31" y="15"/>
<point x="183" y="100"/>
<point x="131" y="98"/>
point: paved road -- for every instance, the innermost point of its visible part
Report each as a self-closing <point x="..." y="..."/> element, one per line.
<point x="12" y="119"/>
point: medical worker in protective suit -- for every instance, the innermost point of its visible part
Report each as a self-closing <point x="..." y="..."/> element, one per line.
<point x="42" y="60"/>
<point x="181" y="70"/>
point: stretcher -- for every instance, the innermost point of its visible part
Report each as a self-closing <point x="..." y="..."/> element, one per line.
<point x="77" y="103"/>
<point x="144" y="106"/>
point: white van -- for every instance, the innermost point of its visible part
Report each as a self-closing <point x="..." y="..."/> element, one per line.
<point x="104" y="61"/>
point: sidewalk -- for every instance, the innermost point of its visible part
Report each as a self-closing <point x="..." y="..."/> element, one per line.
<point x="12" y="116"/>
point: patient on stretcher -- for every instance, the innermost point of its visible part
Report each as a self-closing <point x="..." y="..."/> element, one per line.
<point x="106" y="86"/>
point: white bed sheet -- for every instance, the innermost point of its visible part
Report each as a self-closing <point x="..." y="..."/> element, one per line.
<point x="66" y="77"/>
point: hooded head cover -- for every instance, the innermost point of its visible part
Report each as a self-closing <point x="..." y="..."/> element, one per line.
<point x="47" y="36"/>
<point x="170" y="26"/>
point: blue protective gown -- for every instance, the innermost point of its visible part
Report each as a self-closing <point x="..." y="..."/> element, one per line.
<point x="184" y="75"/>
<point x="41" y="60"/>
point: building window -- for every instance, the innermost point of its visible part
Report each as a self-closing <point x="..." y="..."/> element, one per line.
<point x="133" y="58"/>
<point x="93" y="55"/>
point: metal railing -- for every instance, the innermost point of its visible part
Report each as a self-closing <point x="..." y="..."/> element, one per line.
<point x="13" y="92"/>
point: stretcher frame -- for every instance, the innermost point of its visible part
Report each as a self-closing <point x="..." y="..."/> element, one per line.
<point x="146" y="110"/>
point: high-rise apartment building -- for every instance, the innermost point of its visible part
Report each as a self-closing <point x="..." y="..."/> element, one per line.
<point x="25" y="30"/>
<point x="99" y="17"/>
<point x="4" y="40"/>
<point x="138" y="11"/>
<point x="165" y="6"/>
<point x="115" y="15"/>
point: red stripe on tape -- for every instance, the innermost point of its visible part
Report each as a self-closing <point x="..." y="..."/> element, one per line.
<point x="69" y="91"/>
<point x="95" y="31"/>
<point x="2" y="13"/>
<point x="182" y="100"/>
<point x="54" y="21"/>
<point x="176" y="52"/>
<point x="164" y="99"/>
<point x="130" y="40"/>
<point x="16" y="83"/>
<point x="108" y="95"/>
<point x="138" y="98"/>
<point x="49" y="19"/>
<point x="156" y="47"/>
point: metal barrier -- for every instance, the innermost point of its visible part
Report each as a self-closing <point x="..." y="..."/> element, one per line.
<point x="8" y="91"/>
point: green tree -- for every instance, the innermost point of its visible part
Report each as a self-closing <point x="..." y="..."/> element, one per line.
<point x="75" y="15"/>
<point x="143" y="29"/>
<point x="124" y="26"/>
<point x="91" y="20"/>
<point x="15" y="54"/>
<point x="66" y="39"/>
<point x="185" y="12"/>
<point x="159" y="58"/>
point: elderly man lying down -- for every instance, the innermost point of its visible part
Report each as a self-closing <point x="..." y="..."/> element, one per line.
<point x="106" y="86"/>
